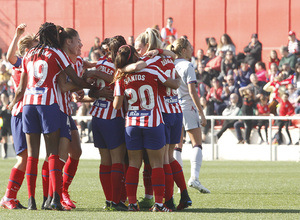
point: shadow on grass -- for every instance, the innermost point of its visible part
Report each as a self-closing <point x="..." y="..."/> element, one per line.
<point x="228" y="210"/>
<point x="209" y="210"/>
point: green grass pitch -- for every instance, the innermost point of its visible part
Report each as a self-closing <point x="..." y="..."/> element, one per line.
<point x="239" y="190"/>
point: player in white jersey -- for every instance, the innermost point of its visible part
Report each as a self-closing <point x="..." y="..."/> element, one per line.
<point x="190" y="104"/>
<point x="144" y="123"/>
<point x="41" y="112"/>
<point x="9" y="201"/>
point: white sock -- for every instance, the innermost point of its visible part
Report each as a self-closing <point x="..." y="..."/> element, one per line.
<point x="196" y="161"/>
<point x="177" y="156"/>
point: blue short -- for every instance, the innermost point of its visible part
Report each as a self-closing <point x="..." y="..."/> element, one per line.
<point x="173" y="127"/>
<point x="108" y="133"/>
<point x="138" y="138"/>
<point x="65" y="126"/>
<point x="73" y="124"/>
<point x="18" y="134"/>
<point x="41" y="118"/>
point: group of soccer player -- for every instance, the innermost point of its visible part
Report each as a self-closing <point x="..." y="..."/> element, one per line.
<point x="153" y="99"/>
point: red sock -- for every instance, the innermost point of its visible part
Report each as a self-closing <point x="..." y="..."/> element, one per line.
<point x="123" y="190"/>
<point x="169" y="182"/>
<point x="178" y="175"/>
<point x="117" y="174"/>
<point x="158" y="183"/>
<point x="105" y="179"/>
<point x="132" y="180"/>
<point x="31" y="175"/>
<point x="69" y="172"/>
<point x="55" y="166"/>
<point x="45" y="178"/>
<point x="147" y="179"/>
<point x="14" y="183"/>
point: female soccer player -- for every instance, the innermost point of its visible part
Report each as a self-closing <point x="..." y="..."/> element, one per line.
<point x="191" y="108"/>
<point x="41" y="113"/>
<point x="9" y="201"/>
<point x="108" y="128"/>
<point x="144" y="124"/>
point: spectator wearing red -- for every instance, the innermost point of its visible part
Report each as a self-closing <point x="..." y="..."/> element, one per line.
<point x="285" y="109"/>
<point x="293" y="44"/>
<point x="273" y="58"/>
<point x="168" y="31"/>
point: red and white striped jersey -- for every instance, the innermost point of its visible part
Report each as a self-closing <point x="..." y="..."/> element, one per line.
<point x="168" y="97"/>
<point x="16" y="77"/>
<point x="141" y="91"/>
<point x="42" y="71"/>
<point x="102" y="107"/>
<point x="65" y="98"/>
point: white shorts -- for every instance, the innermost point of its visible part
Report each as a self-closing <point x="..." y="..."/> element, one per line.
<point x="191" y="119"/>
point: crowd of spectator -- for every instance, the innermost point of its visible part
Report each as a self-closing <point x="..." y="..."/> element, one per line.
<point x="221" y="72"/>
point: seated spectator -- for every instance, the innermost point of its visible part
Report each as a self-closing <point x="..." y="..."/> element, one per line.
<point x="212" y="43"/>
<point x="213" y="66"/>
<point x="232" y="109"/>
<point x="287" y="57"/>
<point x="255" y="86"/>
<point x="263" y="110"/>
<point x="293" y="44"/>
<point x="226" y="44"/>
<point x="201" y="58"/>
<point x="96" y="47"/>
<point x="228" y="89"/>
<point x="273" y="58"/>
<point x="228" y="66"/>
<point x="215" y="104"/>
<point x="243" y="75"/>
<point x="203" y="80"/>
<point x="273" y="71"/>
<point x="294" y="97"/>
<point x="253" y="51"/>
<point x="4" y="78"/>
<point x="246" y="110"/>
<point x="286" y="70"/>
<point x="261" y="72"/>
<point x="297" y="75"/>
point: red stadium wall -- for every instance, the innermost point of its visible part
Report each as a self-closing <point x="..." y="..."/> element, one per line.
<point x="198" y="19"/>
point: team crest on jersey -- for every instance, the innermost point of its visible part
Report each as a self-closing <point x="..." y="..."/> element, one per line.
<point x="140" y="113"/>
<point x="171" y="99"/>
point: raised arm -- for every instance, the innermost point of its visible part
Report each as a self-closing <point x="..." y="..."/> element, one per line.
<point x="11" y="52"/>
<point x="133" y="67"/>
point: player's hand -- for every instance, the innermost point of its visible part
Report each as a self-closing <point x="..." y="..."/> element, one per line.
<point x="21" y="29"/>
<point x="151" y="53"/>
<point x="203" y="121"/>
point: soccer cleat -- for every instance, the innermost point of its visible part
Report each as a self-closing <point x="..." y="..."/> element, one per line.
<point x="185" y="200"/>
<point x="31" y="204"/>
<point x="65" y="206"/>
<point x="57" y="205"/>
<point x="157" y="208"/>
<point x="195" y="183"/>
<point x="133" y="207"/>
<point x="107" y="206"/>
<point x="47" y="203"/>
<point x="118" y="207"/>
<point x="170" y="204"/>
<point x="67" y="200"/>
<point x="146" y="203"/>
<point x="19" y="205"/>
<point x="11" y="204"/>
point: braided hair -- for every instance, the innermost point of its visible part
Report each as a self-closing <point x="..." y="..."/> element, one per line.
<point x="48" y="36"/>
